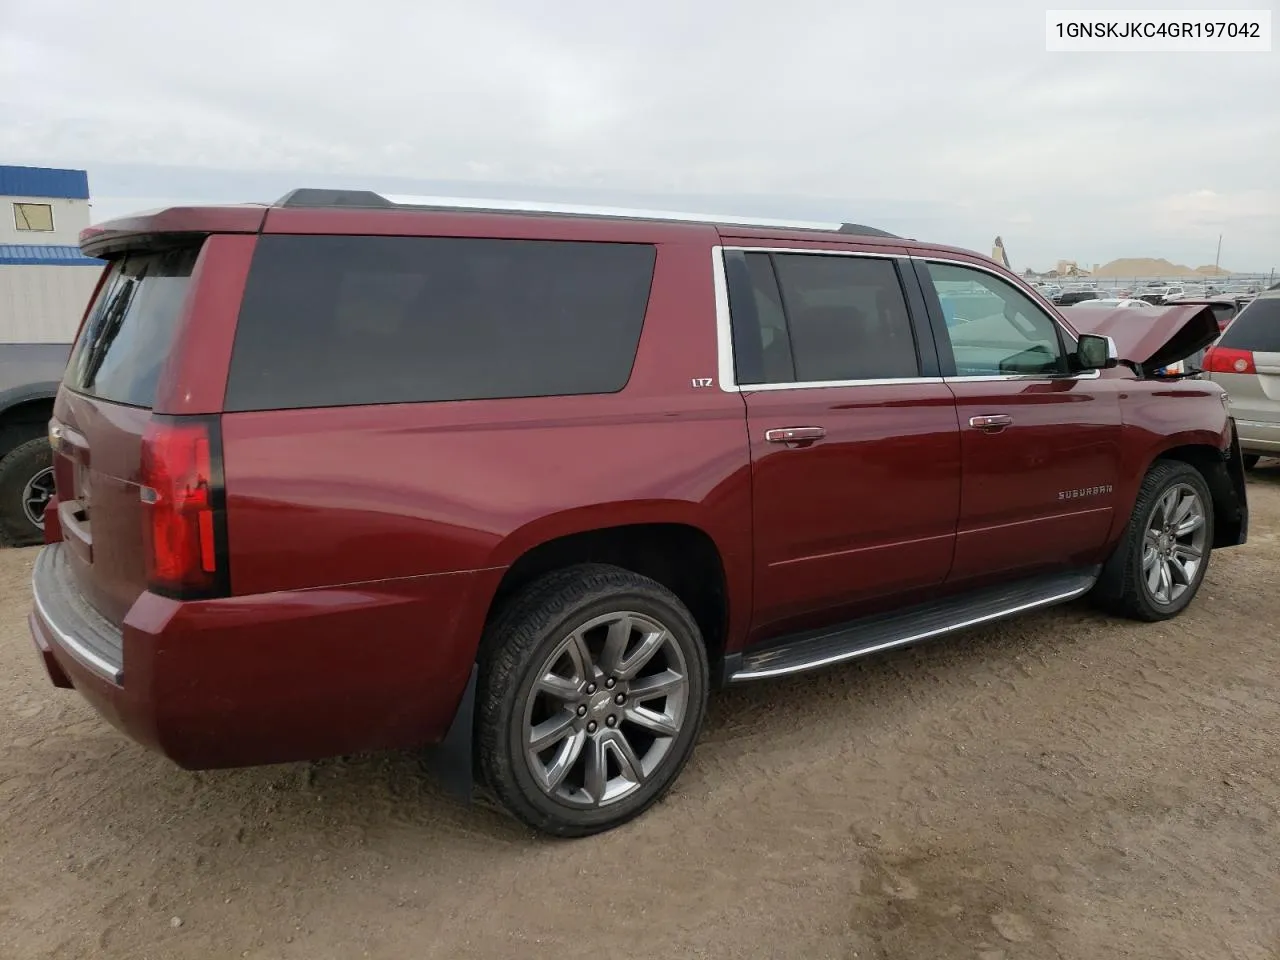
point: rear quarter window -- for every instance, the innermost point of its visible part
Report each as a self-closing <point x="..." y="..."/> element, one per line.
<point x="1256" y="328"/>
<point x="126" y="339"/>
<point x="338" y="321"/>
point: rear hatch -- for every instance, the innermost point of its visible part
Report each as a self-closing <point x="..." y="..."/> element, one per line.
<point x="1246" y="362"/>
<point x="103" y="413"/>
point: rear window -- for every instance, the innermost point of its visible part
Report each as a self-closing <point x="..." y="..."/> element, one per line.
<point x="336" y="321"/>
<point x="1222" y="312"/>
<point x="1256" y="328"/>
<point x="130" y="328"/>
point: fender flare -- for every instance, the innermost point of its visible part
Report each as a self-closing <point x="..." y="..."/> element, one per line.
<point x="43" y="390"/>
<point x="597" y="516"/>
<point x="25" y="393"/>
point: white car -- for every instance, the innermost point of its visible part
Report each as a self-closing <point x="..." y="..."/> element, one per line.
<point x="1177" y="293"/>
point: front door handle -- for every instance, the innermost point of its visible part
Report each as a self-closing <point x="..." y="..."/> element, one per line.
<point x="992" y="422"/>
<point x="794" y="434"/>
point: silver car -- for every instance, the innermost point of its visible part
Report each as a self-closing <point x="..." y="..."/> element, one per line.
<point x="1246" y="362"/>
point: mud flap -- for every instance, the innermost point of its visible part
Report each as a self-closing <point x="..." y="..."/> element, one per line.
<point x="450" y="762"/>
<point x="1234" y="531"/>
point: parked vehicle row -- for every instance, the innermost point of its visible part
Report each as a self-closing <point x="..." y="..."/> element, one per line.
<point x="343" y="473"/>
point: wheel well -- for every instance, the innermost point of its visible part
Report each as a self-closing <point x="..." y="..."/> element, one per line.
<point x="23" y="421"/>
<point x="1227" y="515"/>
<point x="682" y="558"/>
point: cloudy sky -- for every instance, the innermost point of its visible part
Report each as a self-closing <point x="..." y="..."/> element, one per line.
<point x="930" y="118"/>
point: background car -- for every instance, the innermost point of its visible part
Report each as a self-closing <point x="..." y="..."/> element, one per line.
<point x="1115" y="303"/>
<point x="1224" y="308"/>
<point x="1246" y="363"/>
<point x="1069" y="298"/>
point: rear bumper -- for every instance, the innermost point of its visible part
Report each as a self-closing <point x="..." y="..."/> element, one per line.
<point x="293" y="675"/>
<point x="1259" y="436"/>
<point x="65" y="619"/>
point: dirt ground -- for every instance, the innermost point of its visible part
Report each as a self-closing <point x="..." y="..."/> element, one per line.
<point x="1062" y="785"/>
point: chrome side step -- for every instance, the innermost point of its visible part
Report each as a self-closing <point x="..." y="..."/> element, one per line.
<point x="822" y="648"/>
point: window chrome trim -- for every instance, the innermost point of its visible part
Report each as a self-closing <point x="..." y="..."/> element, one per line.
<point x="824" y="251"/>
<point x="724" y="329"/>
<point x="817" y="384"/>
<point x="724" y="326"/>
<point x="1038" y="378"/>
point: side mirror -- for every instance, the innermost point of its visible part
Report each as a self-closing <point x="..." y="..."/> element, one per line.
<point x="1096" y="353"/>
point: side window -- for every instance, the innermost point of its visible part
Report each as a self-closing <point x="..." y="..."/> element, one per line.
<point x="825" y="318"/>
<point x="348" y="320"/>
<point x="995" y="329"/>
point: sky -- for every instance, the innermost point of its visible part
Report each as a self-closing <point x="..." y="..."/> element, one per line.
<point x="933" y="119"/>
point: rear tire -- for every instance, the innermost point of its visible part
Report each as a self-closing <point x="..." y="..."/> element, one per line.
<point x="1161" y="561"/>
<point x="606" y="670"/>
<point x="26" y="481"/>
<point x="1250" y="460"/>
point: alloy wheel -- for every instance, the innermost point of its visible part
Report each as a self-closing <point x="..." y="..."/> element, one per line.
<point x="605" y="709"/>
<point x="1174" y="544"/>
<point x="36" y="496"/>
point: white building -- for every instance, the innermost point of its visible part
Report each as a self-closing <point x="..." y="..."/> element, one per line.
<point x="45" y="281"/>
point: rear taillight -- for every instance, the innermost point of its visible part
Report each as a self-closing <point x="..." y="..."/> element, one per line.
<point x="1227" y="360"/>
<point x="184" y="517"/>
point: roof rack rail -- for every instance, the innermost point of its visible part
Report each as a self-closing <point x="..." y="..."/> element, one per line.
<point x="308" y="197"/>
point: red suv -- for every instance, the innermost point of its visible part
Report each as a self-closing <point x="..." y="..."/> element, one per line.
<point x="344" y="473"/>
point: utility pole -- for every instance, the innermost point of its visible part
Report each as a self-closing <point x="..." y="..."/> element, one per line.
<point x="1217" y="259"/>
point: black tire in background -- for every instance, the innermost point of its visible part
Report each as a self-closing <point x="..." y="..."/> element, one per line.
<point x="1250" y="460"/>
<point x="22" y="467"/>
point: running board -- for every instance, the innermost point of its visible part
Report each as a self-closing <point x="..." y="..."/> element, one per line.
<point x="821" y="648"/>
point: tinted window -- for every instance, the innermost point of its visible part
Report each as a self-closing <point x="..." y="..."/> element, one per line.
<point x="333" y="321"/>
<point x="1222" y="312"/>
<point x="126" y="339"/>
<point x="1256" y="328"/>
<point x="995" y="329"/>
<point x="830" y="318"/>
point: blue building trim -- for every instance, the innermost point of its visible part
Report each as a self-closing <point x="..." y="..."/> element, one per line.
<point x="48" y="182"/>
<point x="45" y="254"/>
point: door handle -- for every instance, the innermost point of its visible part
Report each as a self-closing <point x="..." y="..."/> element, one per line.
<point x="993" y="422"/>
<point x="794" y="434"/>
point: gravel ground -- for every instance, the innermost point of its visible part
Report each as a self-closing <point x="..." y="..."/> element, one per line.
<point x="1063" y="785"/>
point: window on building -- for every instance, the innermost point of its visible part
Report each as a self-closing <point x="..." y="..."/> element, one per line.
<point x="33" y="216"/>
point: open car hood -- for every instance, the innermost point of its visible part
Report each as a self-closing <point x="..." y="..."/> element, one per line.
<point x="1152" y="338"/>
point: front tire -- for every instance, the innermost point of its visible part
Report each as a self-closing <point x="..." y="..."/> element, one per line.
<point x="26" y="484"/>
<point x="593" y="688"/>
<point x="1161" y="562"/>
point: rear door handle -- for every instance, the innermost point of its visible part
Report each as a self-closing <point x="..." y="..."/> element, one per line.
<point x="991" y="421"/>
<point x="794" y="434"/>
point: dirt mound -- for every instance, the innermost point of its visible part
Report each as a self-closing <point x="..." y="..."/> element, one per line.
<point x="1148" y="267"/>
